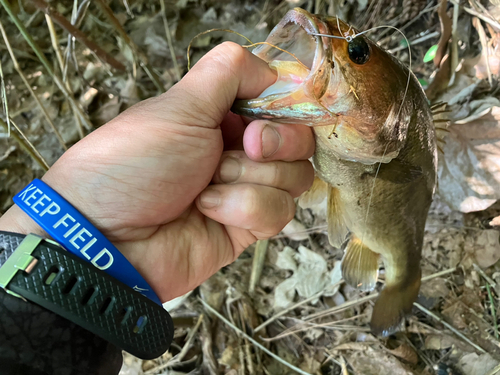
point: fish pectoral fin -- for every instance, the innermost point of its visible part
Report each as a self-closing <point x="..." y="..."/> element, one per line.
<point x="360" y="265"/>
<point x="315" y="195"/>
<point x="394" y="303"/>
<point x="337" y="229"/>
<point x="398" y="172"/>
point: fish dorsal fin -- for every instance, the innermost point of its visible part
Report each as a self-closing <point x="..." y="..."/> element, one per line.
<point x="360" y="265"/>
<point x="315" y="195"/>
<point x="337" y="229"/>
<point x="441" y="122"/>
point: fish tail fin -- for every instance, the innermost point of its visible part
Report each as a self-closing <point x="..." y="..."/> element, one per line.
<point x="360" y="265"/>
<point x="337" y="229"/>
<point x="394" y="303"/>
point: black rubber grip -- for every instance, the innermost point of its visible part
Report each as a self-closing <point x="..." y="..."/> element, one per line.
<point x="76" y="290"/>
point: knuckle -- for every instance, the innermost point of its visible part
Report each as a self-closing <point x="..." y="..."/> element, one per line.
<point x="250" y="202"/>
<point x="276" y="174"/>
<point x="286" y="212"/>
<point x="237" y="154"/>
<point x="229" y="54"/>
<point x="288" y="208"/>
<point x="307" y="176"/>
<point x="270" y="210"/>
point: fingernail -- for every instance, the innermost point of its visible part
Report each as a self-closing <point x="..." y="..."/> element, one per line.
<point x="210" y="198"/>
<point x="230" y="170"/>
<point x="271" y="141"/>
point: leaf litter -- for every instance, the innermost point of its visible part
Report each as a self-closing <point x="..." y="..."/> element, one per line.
<point x="300" y="278"/>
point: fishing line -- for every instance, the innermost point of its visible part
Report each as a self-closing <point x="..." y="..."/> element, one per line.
<point x="252" y="44"/>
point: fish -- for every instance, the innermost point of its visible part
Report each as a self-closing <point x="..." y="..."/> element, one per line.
<point x="376" y="152"/>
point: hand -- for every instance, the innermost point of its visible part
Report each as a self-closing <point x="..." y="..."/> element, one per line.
<point x="168" y="182"/>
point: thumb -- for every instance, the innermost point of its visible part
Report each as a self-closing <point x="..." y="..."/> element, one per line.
<point x="206" y="93"/>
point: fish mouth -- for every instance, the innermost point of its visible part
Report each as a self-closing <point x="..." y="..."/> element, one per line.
<point x="303" y="64"/>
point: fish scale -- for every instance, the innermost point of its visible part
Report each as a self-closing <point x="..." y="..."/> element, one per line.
<point x="375" y="155"/>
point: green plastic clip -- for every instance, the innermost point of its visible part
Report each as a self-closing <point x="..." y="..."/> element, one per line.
<point x="19" y="260"/>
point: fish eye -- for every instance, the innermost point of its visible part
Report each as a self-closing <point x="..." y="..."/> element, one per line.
<point x="358" y="50"/>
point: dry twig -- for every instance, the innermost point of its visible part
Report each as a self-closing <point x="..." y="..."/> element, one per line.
<point x="28" y="86"/>
<point x="300" y="303"/>
<point x="78" y="34"/>
<point x="169" y="40"/>
<point x="258" y="263"/>
<point x="450" y="327"/>
<point x="179" y="357"/>
<point x="496" y="370"/>
<point x="479" y="15"/>
<point x="26" y="144"/>
<point x="370" y="297"/>
<point x="119" y="29"/>
<point x="41" y="56"/>
<point x="253" y="341"/>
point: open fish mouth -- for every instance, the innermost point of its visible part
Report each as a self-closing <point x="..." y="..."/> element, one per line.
<point x="303" y="64"/>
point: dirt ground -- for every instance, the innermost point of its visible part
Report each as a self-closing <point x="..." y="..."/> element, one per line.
<point x="299" y="312"/>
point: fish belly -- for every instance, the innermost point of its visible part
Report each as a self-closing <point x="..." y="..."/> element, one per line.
<point x="386" y="218"/>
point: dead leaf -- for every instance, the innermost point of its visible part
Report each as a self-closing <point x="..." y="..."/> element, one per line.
<point x="487" y="248"/>
<point x="296" y="230"/>
<point x="107" y="112"/>
<point x="491" y="56"/>
<point x="376" y="362"/>
<point x="128" y="92"/>
<point x="444" y="341"/>
<point x="405" y="352"/>
<point x="286" y="260"/>
<point x="438" y="342"/>
<point x="310" y="364"/>
<point x="435" y="288"/>
<point x="229" y="357"/>
<point x="176" y="302"/>
<point x="439" y="89"/>
<point x="473" y="364"/>
<point x="310" y="276"/>
<point x="131" y="365"/>
<point x="455" y="315"/>
<point x="469" y="170"/>
<point x="354" y="346"/>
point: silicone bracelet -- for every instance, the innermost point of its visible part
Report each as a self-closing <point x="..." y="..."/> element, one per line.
<point x="76" y="234"/>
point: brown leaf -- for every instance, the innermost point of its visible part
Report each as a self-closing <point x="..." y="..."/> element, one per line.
<point x="487" y="248"/>
<point x="473" y="364"/>
<point x="455" y="315"/>
<point x="376" y="362"/>
<point x="438" y="342"/>
<point x="406" y="352"/>
<point x="491" y="56"/>
<point x="435" y="288"/>
<point x="469" y="169"/>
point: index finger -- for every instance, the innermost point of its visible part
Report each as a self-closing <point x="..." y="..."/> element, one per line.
<point x="208" y="91"/>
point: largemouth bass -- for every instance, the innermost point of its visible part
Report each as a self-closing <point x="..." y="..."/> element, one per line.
<point x="375" y="156"/>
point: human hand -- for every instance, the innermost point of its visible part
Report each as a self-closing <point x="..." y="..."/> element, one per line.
<point x="178" y="183"/>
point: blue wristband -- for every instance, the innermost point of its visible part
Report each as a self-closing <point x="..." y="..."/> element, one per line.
<point x="77" y="235"/>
